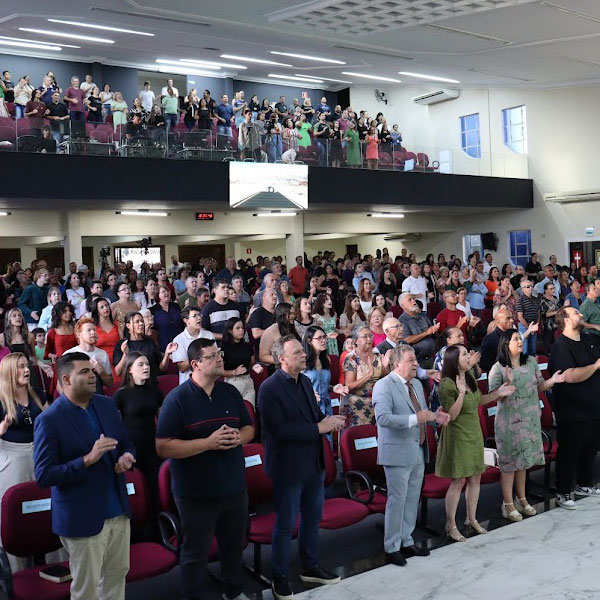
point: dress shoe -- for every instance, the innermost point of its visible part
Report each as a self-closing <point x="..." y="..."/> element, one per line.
<point x="396" y="558"/>
<point x="414" y="551"/>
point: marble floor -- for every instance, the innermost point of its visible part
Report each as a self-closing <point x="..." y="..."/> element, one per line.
<point x="552" y="556"/>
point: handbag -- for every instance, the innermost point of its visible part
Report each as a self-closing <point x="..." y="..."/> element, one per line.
<point x="490" y="457"/>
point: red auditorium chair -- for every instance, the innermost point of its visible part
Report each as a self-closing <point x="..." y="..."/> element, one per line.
<point x="433" y="309"/>
<point x="385" y="160"/>
<point x="424" y="165"/>
<point x="166" y="383"/>
<point x="396" y="310"/>
<point x="338" y="512"/>
<point x="487" y="415"/>
<point x="358" y="451"/>
<point x="8" y="134"/>
<point x="100" y="136"/>
<point x="89" y="128"/>
<point x="260" y="492"/>
<point x="253" y="418"/>
<point x="146" y="559"/>
<point x="543" y="361"/>
<point x="550" y="445"/>
<point x="7" y="122"/>
<point x="28" y="534"/>
<point x="487" y="316"/>
<point x="110" y="391"/>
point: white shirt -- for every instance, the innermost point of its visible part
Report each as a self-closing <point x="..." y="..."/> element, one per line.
<point x="164" y="92"/>
<point x="100" y="355"/>
<point x="416" y="285"/>
<point x="87" y="88"/>
<point x="466" y="309"/>
<point x="421" y="372"/>
<point x="147" y="98"/>
<point x="413" y="420"/>
<point x="183" y="341"/>
<point x="487" y="267"/>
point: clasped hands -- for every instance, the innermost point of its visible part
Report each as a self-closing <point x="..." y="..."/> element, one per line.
<point x="224" y="438"/>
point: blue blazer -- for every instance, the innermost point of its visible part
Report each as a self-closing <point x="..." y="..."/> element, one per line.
<point x="62" y="437"/>
<point x="293" y="444"/>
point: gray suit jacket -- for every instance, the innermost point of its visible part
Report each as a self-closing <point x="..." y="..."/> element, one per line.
<point x="398" y="444"/>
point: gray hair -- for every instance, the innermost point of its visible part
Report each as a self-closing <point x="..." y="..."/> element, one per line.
<point x="397" y="353"/>
<point x="356" y="331"/>
<point x="278" y="348"/>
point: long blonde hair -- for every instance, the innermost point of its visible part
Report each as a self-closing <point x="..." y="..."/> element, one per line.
<point x="9" y="385"/>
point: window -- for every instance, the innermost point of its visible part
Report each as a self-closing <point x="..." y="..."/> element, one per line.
<point x="519" y="245"/>
<point x="471" y="243"/>
<point x="469" y="135"/>
<point x="515" y="128"/>
<point x="138" y="255"/>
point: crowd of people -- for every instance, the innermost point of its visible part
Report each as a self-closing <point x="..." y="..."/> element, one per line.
<point x="401" y="343"/>
<point x="263" y="131"/>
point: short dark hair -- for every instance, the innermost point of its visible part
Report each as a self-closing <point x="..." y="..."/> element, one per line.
<point x="186" y="310"/>
<point x="195" y="348"/>
<point x="503" y="356"/>
<point x="450" y="366"/>
<point x="217" y="281"/>
<point x="38" y="330"/>
<point x="560" y="317"/>
<point x="548" y="284"/>
<point x="65" y="366"/>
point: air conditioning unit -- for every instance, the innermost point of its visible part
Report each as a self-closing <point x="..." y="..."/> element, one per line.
<point x="437" y="96"/>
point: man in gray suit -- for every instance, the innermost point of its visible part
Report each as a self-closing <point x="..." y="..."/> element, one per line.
<point x="402" y="415"/>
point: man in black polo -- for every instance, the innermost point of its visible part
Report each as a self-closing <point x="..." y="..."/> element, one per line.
<point x="58" y="114"/>
<point x="202" y="425"/>
<point x="216" y="313"/>
<point x="263" y="316"/>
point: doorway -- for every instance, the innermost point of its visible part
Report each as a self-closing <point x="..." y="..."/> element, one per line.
<point x="9" y="256"/>
<point x="138" y="255"/>
<point x="584" y="253"/>
<point x="352" y="250"/>
<point x="54" y="256"/>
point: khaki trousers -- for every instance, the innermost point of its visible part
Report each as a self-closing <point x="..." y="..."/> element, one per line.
<point x="100" y="563"/>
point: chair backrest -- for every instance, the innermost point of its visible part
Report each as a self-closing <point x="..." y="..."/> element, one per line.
<point x="100" y="136"/>
<point x="422" y="159"/>
<point x="27" y="521"/>
<point x="358" y="450"/>
<point x="487" y="417"/>
<point x="252" y="413"/>
<point x="166" y="383"/>
<point x="396" y="310"/>
<point x="165" y="493"/>
<point x="139" y="499"/>
<point x="330" y="467"/>
<point x="258" y="378"/>
<point x="433" y="309"/>
<point x="487" y="316"/>
<point x="334" y="367"/>
<point x="8" y="134"/>
<point x="258" y="483"/>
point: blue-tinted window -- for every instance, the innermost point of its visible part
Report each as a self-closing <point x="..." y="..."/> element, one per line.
<point x="514" y="122"/>
<point x="519" y="245"/>
<point x="470" y="138"/>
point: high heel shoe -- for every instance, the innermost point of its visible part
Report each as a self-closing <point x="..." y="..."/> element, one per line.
<point x="454" y="534"/>
<point x="476" y="527"/>
<point x="512" y="515"/>
<point x="524" y="507"/>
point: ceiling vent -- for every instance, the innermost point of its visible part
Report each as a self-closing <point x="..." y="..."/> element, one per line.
<point x="437" y="96"/>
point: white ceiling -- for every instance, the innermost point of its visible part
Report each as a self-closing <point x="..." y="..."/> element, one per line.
<point x="528" y="43"/>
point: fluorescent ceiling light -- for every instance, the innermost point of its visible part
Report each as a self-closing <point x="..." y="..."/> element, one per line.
<point x="375" y="77"/>
<point x="202" y="63"/>
<point x="73" y="36"/>
<point x="32" y="45"/>
<point x="176" y="63"/>
<point x="323" y="78"/>
<point x="103" y="27"/>
<point x="142" y="213"/>
<point x="260" y="61"/>
<point x="275" y="214"/>
<point x="292" y="78"/>
<point x="306" y="57"/>
<point x="431" y="77"/>
<point x="184" y="71"/>
<point x="386" y="215"/>
<point x="4" y="213"/>
<point x="478" y="36"/>
<point x="14" y="39"/>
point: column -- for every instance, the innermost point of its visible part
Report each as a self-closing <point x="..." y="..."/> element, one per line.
<point x="294" y="241"/>
<point x="73" y="245"/>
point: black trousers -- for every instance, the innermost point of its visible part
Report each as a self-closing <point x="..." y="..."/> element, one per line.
<point x="578" y="442"/>
<point x="201" y="518"/>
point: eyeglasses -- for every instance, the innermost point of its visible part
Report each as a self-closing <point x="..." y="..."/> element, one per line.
<point x="213" y="355"/>
<point x="320" y="337"/>
<point x="26" y="415"/>
<point x="366" y="336"/>
<point x="526" y="287"/>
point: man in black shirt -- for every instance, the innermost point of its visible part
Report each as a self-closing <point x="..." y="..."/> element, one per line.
<point x="46" y="143"/>
<point x="576" y="407"/>
<point x="533" y="267"/>
<point x="8" y="86"/>
<point x="133" y="129"/>
<point x="263" y="316"/>
<point x="216" y="313"/>
<point x="202" y="426"/>
<point x="281" y="108"/>
<point x="58" y="113"/>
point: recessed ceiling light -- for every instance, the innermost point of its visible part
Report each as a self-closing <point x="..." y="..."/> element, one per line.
<point x="292" y="78"/>
<point x="275" y="214"/>
<point x="32" y="45"/>
<point x="479" y="36"/>
<point x="202" y="63"/>
<point x="142" y="213"/>
<point x="14" y="39"/>
<point x="431" y="77"/>
<point x="260" y="61"/>
<point x="103" y="27"/>
<point x="306" y="57"/>
<point x="375" y="77"/>
<point x="72" y="36"/>
<point x="386" y="215"/>
<point x="180" y="65"/>
<point x="323" y="78"/>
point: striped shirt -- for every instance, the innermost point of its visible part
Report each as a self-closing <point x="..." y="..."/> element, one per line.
<point x="530" y="307"/>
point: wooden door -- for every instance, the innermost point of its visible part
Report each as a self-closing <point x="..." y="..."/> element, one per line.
<point x="55" y="256"/>
<point x="9" y="256"/>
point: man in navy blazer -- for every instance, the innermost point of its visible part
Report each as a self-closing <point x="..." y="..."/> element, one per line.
<point x="81" y="450"/>
<point x="293" y="427"/>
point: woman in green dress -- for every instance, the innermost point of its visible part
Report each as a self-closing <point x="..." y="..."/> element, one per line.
<point x="517" y="425"/>
<point x="353" y="146"/>
<point x="119" y="110"/>
<point x="460" y="451"/>
<point x="325" y="318"/>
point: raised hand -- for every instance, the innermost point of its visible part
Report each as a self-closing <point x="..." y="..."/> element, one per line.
<point x="124" y="347"/>
<point x="533" y="327"/>
<point x="506" y="389"/>
<point x="509" y="375"/>
<point x="474" y="358"/>
<point x="101" y="446"/>
<point x="171" y="347"/>
<point x="461" y="322"/>
<point x="341" y="389"/>
<point x="4" y="425"/>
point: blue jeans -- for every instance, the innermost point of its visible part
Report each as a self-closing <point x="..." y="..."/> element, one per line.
<point x="529" y="343"/>
<point x="171" y="119"/>
<point x="224" y="130"/>
<point x="274" y="147"/>
<point x="19" y="111"/>
<point x="306" y="497"/>
<point x="322" y="153"/>
<point x="77" y="116"/>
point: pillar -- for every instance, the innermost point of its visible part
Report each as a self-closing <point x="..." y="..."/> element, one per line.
<point x="294" y="241"/>
<point x="73" y="245"/>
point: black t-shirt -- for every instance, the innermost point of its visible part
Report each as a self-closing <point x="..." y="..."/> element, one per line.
<point x="281" y="107"/>
<point x="21" y="431"/>
<point x="147" y="347"/>
<point x="47" y="144"/>
<point x="215" y="315"/>
<point x="57" y="110"/>
<point x="321" y="127"/>
<point x="533" y="267"/>
<point x="237" y="354"/>
<point x="188" y="413"/>
<point x="575" y="401"/>
<point x="387" y="289"/>
<point x="261" y="318"/>
<point x="133" y="129"/>
<point x="139" y="407"/>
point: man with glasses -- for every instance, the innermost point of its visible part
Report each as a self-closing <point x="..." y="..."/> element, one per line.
<point x="528" y="312"/>
<point x="549" y="273"/>
<point x="418" y="330"/>
<point x="202" y="425"/>
<point x="576" y="407"/>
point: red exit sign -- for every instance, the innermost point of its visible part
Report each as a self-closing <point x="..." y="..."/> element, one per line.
<point x="205" y="216"/>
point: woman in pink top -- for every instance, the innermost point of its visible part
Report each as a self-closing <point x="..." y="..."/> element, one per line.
<point x="372" y="141"/>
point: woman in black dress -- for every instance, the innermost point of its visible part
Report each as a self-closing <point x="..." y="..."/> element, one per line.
<point x="94" y="105"/>
<point x="336" y="145"/>
<point x="139" y="400"/>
